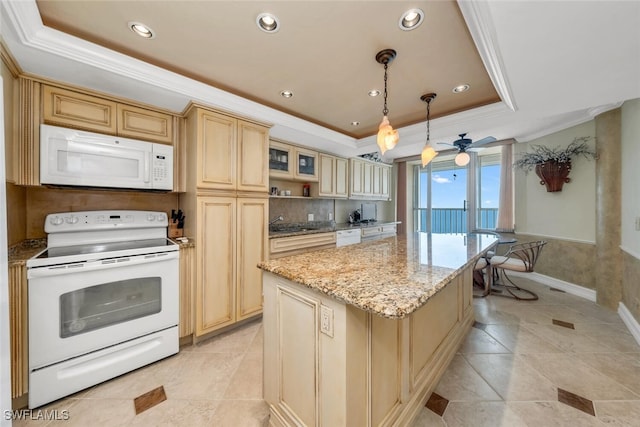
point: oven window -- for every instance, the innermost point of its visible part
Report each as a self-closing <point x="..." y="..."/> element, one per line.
<point x="108" y="304"/>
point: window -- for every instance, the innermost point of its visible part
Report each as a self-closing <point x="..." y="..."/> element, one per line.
<point x="445" y="194"/>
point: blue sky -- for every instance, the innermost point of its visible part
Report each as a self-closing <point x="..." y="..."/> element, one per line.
<point x="449" y="187"/>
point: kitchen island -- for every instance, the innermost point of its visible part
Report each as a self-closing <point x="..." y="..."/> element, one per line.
<point x="360" y="335"/>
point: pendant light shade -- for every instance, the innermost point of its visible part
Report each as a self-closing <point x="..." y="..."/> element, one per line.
<point x="387" y="135"/>
<point x="462" y="159"/>
<point x="428" y="152"/>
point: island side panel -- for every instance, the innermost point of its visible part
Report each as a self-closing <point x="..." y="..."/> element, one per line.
<point x="367" y="370"/>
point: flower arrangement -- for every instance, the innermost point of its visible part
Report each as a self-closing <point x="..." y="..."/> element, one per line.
<point x="542" y="154"/>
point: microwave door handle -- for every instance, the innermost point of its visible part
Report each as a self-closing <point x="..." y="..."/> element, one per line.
<point x="147" y="162"/>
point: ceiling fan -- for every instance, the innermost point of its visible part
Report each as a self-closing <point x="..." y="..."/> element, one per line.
<point x="463" y="144"/>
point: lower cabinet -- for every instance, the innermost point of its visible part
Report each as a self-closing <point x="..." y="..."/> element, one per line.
<point x="327" y="363"/>
<point x="291" y="245"/>
<point x="379" y="231"/>
<point x="231" y="241"/>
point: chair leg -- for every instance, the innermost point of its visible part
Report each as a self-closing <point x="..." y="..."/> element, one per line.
<point x="512" y="286"/>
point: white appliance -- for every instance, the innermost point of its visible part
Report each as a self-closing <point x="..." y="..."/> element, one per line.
<point x="348" y="237"/>
<point x="103" y="300"/>
<point x="73" y="157"/>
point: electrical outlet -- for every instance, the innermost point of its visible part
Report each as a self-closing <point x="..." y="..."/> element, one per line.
<point x="309" y="217"/>
<point x="330" y="216"/>
<point x="326" y="320"/>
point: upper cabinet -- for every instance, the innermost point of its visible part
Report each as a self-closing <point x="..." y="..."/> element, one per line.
<point x="333" y="179"/>
<point x="306" y="165"/>
<point x="59" y="105"/>
<point x="231" y="153"/>
<point x="289" y="162"/>
<point x="81" y="111"/>
<point x="280" y="160"/>
<point x="370" y="180"/>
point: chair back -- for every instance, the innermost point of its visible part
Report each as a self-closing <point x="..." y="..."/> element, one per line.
<point x="527" y="252"/>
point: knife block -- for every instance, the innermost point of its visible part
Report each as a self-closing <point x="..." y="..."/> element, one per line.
<point x="174" y="231"/>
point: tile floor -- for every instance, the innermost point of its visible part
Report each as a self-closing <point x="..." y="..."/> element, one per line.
<point x="516" y="368"/>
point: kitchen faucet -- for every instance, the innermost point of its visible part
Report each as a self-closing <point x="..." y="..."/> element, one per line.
<point x="278" y="218"/>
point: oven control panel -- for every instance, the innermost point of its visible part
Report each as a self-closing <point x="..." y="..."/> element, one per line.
<point x="103" y="220"/>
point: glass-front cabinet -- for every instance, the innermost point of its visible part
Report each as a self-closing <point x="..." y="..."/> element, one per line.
<point x="288" y="162"/>
<point x="280" y="160"/>
<point x="306" y="168"/>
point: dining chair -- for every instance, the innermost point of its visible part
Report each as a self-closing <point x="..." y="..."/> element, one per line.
<point x="522" y="258"/>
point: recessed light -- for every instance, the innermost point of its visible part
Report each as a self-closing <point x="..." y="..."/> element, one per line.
<point x="268" y="23"/>
<point x="141" y="29"/>
<point x="461" y="88"/>
<point x="411" y="19"/>
<point x="374" y="92"/>
<point x="286" y="94"/>
<point x="355" y="123"/>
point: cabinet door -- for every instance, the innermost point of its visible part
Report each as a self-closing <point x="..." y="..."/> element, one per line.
<point x="385" y="183"/>
<point x="215" y="263"/>
<point x="252" y="249"/>
<point x="216" y="160"/>
<point x="280" y="160"/>
<point x="367" y="179"/>
<point x="253" y="150"/>
<point x="326" y="178"/>
<point x="306" y="165"/>
<point x="134" y="122"/>
<point x="357" y="170"/>
<point x="342" y="178"/>
<point x="76" y="110"/>
<point x="376" y="189"/>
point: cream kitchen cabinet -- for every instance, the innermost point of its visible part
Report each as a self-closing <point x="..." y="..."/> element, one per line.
<point x="280" y="160"/>
<point x="231" y="241"/>
<point x="333" y="179"/>
<point x="379" y="231"/>
<point x="369" y="180"/>
<point x="232" y="154"/>
<point x="41" y="101"/>
<point x="289" y="162"/>
<point x="84" y="111"/>
<point x="290" y="245"/>
<point x="306" y="165"/>
<point x="226" y="204"/>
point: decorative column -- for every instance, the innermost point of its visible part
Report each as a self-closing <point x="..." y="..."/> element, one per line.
<point x="608" y="209"/>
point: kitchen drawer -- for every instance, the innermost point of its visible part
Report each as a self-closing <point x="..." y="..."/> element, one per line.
<point x="389" y="229"/>
<point x="370" y="232"/>
<point x="293" y="243"/>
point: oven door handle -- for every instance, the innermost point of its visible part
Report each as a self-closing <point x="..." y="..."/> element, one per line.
<point x="104" y="264"/>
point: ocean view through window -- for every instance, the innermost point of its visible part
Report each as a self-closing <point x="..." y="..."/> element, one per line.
<point x="445" y="194"/>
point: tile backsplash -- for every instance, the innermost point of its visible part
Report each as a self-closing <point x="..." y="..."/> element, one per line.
<point x="297" y="209"/>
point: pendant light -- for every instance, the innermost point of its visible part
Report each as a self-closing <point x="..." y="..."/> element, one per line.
<point x="428" y="152"/>
<point x="387" y="136"/>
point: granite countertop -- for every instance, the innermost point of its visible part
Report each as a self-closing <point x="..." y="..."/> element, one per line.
<point x="19" y="254"/>
<point x="286" y="230"/>
<point x="390" y="277"/>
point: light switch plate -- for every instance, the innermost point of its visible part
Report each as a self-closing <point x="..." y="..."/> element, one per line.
<point x="638" y="223"/>
<point x="326" y="320"/>
<point x="309" y="217"/>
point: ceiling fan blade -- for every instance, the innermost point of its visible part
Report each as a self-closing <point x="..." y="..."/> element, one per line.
<point x="445" y="143"/>
<point x="482" y="141"/>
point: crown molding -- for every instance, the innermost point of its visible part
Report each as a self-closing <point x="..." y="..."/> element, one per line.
<point x="478" y="18"/>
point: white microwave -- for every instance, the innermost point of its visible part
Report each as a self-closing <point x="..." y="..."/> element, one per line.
<point x="79" y="158"/>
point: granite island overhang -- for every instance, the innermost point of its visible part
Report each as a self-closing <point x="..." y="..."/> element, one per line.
<point x="392" y="277"/>
<point x="360" y="335"/>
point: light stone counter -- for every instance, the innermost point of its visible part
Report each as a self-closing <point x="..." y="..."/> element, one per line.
<point x="391" y="277"/>
<point x="360" y="335"/>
